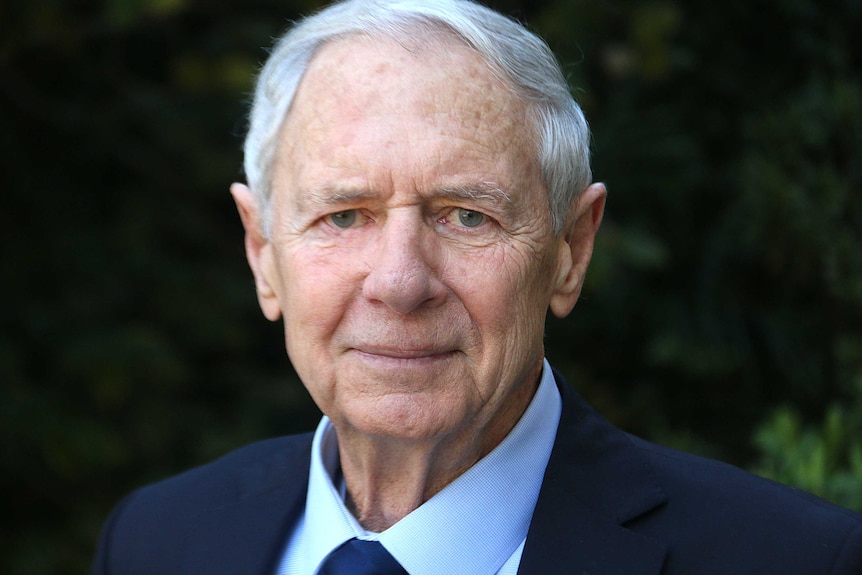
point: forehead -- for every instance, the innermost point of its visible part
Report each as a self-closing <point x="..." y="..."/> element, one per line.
<point x="360" y="92"/>
<point x="435" y="74"/>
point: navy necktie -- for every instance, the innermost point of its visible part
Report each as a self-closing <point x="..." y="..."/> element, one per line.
<point x="357" y="557"/>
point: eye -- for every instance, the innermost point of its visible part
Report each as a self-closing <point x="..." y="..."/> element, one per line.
<point x="343" y="219"/>
<point x="470" y="218"/>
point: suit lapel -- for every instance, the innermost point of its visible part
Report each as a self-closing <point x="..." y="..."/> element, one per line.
<point x="248" y="534"/>
<point x="595" y="483"/>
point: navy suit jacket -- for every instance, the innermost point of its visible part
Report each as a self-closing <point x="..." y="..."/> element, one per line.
<point x="610" y="504"/>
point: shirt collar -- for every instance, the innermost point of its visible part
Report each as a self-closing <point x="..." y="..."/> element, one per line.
<point x="328" y="523"/>
<point x="475" y="523"/>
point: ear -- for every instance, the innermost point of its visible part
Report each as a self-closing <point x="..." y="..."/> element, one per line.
<point x="258" y="250"/>
<point x="576" y="248"/>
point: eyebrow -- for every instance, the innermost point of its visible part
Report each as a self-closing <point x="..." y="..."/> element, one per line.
<point x="483" y="191"/>
<point x="329" y="196"/>
<point x="472" y="192"/>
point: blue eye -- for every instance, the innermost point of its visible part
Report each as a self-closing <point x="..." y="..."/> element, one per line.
<point x="470" y="218"/>
<point x="343" y="219"/>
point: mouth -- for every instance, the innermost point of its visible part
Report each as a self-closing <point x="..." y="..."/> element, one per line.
<point x="400" y="355"/>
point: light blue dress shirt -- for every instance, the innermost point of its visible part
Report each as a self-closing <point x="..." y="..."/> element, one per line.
<point x="477" y="524"/>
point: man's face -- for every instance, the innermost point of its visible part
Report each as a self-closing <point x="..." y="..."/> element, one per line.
<point x="411" y="252"/>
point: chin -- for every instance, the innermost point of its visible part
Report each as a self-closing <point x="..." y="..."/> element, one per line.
<point x="407" y="417"/>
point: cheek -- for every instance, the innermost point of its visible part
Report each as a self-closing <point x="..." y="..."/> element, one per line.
<point x="317" y="289"/>
<point x="316" y="293"/>
<point x="503" y="291"/>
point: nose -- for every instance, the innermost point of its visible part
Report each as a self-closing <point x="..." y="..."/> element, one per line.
<point x="402" y="268"/>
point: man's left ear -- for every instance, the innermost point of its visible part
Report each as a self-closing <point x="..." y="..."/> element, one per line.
<point x="576" y="248"/>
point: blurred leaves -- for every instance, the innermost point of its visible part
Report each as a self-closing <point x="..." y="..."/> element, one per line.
<point x="825" y="460"/>
<point x="733" y="168"/>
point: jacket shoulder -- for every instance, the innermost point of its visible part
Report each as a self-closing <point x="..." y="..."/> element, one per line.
<point x="200" y="515"/>
<point x="722" y="515"/>
<point x="253" y="467"/>
<point x="704" y="516"/>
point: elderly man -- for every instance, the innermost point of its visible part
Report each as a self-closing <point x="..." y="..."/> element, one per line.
<point x="419" y="196"/>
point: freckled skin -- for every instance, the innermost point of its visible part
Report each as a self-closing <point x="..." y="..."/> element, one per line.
<point x="420" y="337"/>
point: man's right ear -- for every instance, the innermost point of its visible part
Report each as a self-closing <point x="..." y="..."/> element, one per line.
<point x="258" y="250"/>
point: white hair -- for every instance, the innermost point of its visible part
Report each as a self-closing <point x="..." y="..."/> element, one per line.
<point x="517" y="55"/>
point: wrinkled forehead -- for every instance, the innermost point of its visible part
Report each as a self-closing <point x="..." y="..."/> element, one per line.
<point x="380" y="115"/>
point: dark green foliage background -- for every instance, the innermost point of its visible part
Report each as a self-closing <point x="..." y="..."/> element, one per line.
<point x="723" y="312"/>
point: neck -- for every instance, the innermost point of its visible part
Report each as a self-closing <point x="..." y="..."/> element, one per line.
<point x="387" y="478"/>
